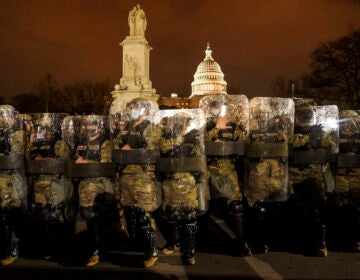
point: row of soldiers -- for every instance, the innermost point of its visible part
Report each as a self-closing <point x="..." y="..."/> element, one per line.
<point x="254" y="159"/>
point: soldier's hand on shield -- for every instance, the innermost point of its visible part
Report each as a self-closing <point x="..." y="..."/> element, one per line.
<point x="39" y="157"/>
<point x="126" y="147"/>
<point x="81" y="160"/>
<point x="221" y="123"/>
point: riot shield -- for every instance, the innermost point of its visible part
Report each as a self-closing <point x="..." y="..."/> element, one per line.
<point x="90" y="166"/>
<point x="315" y="145"/>
<point x="270" y="130"/>
<point x="135" y="139"/>
<point x="347" y="186"/>
<point x="46" y="154"/>
<point x="182" y="164"/>
<point x="13" y="189"/>
<point x="227" y="126"/>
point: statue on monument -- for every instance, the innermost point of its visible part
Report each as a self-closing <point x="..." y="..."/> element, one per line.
<point x="137" y="21"/>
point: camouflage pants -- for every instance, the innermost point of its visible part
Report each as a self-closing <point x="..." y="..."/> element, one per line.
<point x="180" y="195"/>
<point x="91" y="190"/>
<point x="308" y="184"/>
<point x="12" y="189"/>
<point x="348" y="185"/>
<point x="223" y="180"/>
<point x="267" y="181"/>
<point x="49" y="190"/>
<point x="139" y="190"/>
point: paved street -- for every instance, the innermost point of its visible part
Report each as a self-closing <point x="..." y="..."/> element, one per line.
<point x="273" y="265"/>
<point x="217" y="259"/>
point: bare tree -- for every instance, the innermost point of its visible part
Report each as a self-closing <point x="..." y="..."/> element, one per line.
<point x="82" y="98"/>
<point x="46" y="88"/>
<point x="27" y="103"/>
<point x="335" y="72"/>
<point x="282" y="87"/>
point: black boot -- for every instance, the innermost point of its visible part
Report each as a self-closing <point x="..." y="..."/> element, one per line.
<point x="320" y="233"/>
<point x="149" y="231"/>
<point x="132" y="216"/>
<point x="189" y="242"/>
<point x="92" y="250"/>
<point x="173" y="242"/>
<point x="237" y="221"/>
<point x="10" y="242"/>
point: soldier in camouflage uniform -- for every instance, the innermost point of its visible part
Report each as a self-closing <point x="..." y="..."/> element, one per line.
<point x="226" y="134"/>
<point x="92" y="173"/>
<point x="266" y="189"/>
<point x="135" y="152"/>
<point x="310" y="173"/>
<point x="347" y="181"/>
<point x="13" y="190"/>
<point x="182" y="171"/>
<point x="46" y="153"/>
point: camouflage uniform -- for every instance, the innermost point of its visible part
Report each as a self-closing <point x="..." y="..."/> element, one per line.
<point x="135" y="152"/>
<point x="92" y="173"/>
<point x="46" y="152"/>
<point x="13" y="189"/>
<point x="266" y="188"/>
<point x="226" y="134"/>
<point x="310" y="172"/>
<point x="182" y="170"/>
<point x="347" y="187"/>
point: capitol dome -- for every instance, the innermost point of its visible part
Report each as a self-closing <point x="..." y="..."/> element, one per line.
<point x="208" y="78"/>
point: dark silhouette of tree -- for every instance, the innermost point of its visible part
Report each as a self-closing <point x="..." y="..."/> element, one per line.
<point x="335" y="72"/>
<point x="82" y="98"/>
<point x="46" y="88"/>
<point x="281" y="87"/>
<point x="27" y="103"/>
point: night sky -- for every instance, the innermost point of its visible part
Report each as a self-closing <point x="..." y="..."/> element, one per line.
<point x="253" y="41"/>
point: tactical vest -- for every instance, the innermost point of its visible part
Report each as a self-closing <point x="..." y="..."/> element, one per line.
<point x="135" y="138"/>
<point x="92" y="150"/>
<point x="45" y="149"/>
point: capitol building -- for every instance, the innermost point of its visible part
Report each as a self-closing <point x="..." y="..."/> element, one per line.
<point x="135" y="81"/>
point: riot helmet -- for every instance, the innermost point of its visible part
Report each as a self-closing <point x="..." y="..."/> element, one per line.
<point x="27" y="121"/>
<point x="92" y="125"/>
<point x="138" y="107"/>
<point x="43" y="127"/>
<point x="349" y="121"/>
<point x="180" y="122"/>
<point x="7" y="116"/>
<point x="218" y="108"/>
<point x="305" y="116"/>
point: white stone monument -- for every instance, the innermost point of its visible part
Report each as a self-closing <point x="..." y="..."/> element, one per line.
<point x="135" y="80"/>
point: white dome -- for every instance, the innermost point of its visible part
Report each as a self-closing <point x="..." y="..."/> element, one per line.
<point x="208" y="78"/>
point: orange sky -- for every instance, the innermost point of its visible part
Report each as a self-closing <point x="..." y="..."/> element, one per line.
<point x="253" y="40"/>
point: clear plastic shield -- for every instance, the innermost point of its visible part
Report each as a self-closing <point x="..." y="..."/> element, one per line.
<point x="316" y="134"/>
<point x="135" y="138"/>
<point x="315" y="145"/>
<point x="347" y="188"/>
<point x="13" y="189"/>
<point x="227" y="127"/>
<point x="270" y="130"/>
<point x="328" y="117"/>
<point x="349" y="133"/>
<point x="182" y="164"/>
<point x="90" y="167"/>
<point x="46" y="153"/>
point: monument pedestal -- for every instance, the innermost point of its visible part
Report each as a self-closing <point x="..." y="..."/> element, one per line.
<point x="135" y="81"/>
